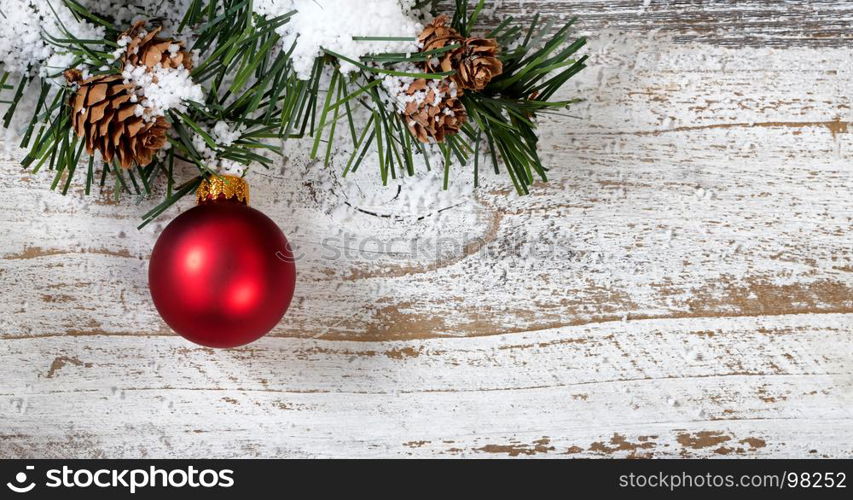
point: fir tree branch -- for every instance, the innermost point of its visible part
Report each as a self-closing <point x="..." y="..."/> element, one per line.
<point x="250" y="83"/>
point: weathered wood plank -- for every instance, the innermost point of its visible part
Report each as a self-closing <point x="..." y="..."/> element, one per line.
<point x="691" y="183"/>
<point x="736" y="23"/>
<point x="714" y="387"/>
<point x="703" y="186"/>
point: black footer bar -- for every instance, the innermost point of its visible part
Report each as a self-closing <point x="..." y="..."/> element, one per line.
<point x="164" y="479"/>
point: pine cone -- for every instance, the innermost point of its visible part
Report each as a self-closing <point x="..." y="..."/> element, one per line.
<point x="475" y="61"/>
<point x="478" y="64"/>
<point x="145" y="48"/>
<point x="437" y="35"/>
<point x="432" y="121"/>
<point x="104" y="114"/>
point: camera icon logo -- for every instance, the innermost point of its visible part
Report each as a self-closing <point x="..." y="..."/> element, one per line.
<point x="21" y="478"/>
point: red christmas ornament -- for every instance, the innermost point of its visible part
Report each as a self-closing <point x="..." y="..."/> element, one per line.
<point x="222" y="273"/>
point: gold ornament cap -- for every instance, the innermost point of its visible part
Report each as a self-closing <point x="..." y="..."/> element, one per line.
<point x="223" y="187"/>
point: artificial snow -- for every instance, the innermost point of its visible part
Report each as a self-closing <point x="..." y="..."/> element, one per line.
<point x="332" y="24"/>
<point x="316" y="25"/>
<point x="223" y="135"/>
<point x="128" y="12"/>
<point x="162" y="89"/>
<point x="23" y="26"/>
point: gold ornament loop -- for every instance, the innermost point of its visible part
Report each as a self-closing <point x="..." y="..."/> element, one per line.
<point x="228" y="187"/>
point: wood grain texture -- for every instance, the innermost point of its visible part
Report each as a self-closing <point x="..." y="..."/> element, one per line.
<point x="778" y="23"/>
<point x="709" y="387"/>
<point x="681" y="287"/>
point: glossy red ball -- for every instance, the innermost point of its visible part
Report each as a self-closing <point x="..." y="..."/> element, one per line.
<point x="222" y="274"/>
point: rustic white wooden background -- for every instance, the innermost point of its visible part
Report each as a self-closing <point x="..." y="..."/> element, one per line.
<point x="696" y="301"/>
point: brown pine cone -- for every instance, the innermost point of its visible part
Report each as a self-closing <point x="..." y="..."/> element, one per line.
<point x="104" y="114"/>
<point x="438" y="35"/>
<point x="478" y="64"/>
<point x="147" y="49"/>
<point x="429" y="121"/>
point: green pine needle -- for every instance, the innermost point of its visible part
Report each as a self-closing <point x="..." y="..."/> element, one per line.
<point x="250" y="84"/>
